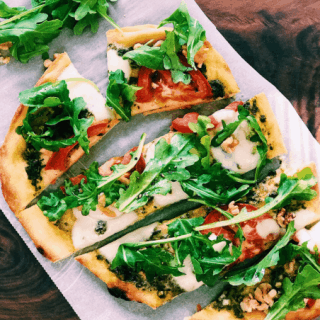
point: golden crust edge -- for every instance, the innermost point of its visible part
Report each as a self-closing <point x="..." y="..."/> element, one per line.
<point x="270" y="128"/>
<point x="213" y="314"/>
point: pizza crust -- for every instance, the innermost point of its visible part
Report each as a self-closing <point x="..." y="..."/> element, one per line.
<point x="212" y="314"/>
<point x="16" y="188"/>
<point x="217" y="68"/>
<point x="269" y="127"/>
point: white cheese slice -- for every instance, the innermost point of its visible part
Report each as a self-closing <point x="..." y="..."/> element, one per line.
<point x="116" y="62"/>
<point x="303" y="218"/>
<point x="83" y="233"/>
<point x="96" y="104"/>
<point x="110" y="250"/>
<point x="266" y="227"/>
<point x="245" y="157"/>
<point x="303" y="235"/>
<point x="187" y="282"/>
<point x="176" y="195"/>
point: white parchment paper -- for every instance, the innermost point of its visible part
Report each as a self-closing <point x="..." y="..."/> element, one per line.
<point x="88" y="295"/>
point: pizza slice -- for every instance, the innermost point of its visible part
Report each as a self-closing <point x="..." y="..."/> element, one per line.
<point x="174" y="68"/>
<point x="156" y="263"/>
<point x="55" y="124"/>
<point x="288" y="291"/>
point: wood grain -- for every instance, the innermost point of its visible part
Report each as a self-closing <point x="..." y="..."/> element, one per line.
<point x="279" y="38"/>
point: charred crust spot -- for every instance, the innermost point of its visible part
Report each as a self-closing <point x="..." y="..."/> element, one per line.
<point x="40" y="250"/>
<point x="118" y="293"/>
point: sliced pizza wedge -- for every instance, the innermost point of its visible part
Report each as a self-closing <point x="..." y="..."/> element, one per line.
<point x="54" y="126"/>
<point x="174" y="68"/>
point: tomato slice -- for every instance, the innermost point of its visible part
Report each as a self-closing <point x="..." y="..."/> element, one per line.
<point x="140" y="165"/>
<point x="182" y="124"/>
<point x="58" y="159"/>
<point x="159" y="84"/>
<point x="254" y="243"/>
<point x="144" y="81"/>
<point x="234" y="105"/>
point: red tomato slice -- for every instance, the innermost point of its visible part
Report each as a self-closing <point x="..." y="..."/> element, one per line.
<point x="144" y="81"/>
<point x="182" y="124"/>
<point x="58" y="159"/>
<point x="141" y="164"/>
<point x="254" y="243"/>
<point x="164" y="88"/>
<point x="234" y="105"/>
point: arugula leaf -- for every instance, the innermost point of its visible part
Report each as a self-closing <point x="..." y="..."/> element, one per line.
<point x="150" y="57"/>
<point x="53" y="121"/>
<point x="290" y="188"/>
<point x="188" y="30"/>
<point x="7" y="12"/>
<point x="292" y="250"/>
<point x="87" y="194"/>
<point x="121" y="95"/>
<point x="153" y="261"/>
<point x="30" y="31"/>
<point x="169" y="158"/>
<point x="30" y="35"/>
<point x="254" y="274"/>
<point x="292" y="299"/>
<point x="185" y="241"/>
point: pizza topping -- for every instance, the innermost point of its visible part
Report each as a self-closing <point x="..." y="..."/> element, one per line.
<point x="58" y="160"/>
<point x="120" y="94"/>
<point x="116" y="62"/>
<point x="284" y="217"/>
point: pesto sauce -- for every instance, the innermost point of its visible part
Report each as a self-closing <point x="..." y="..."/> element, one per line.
<point x="217" y="88"/>
<point x="34" y="165"/>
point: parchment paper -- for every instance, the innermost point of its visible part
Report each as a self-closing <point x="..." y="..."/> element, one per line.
<point x="88" y="295"/>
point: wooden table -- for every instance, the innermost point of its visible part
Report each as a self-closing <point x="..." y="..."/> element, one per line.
<point x="280" y="39"/>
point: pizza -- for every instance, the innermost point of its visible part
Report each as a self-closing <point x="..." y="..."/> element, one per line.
<point x="73" y="230"/>
<point x="230" y="163"/>
<point x="27" y="164"/>
<point x="170" y="75"/>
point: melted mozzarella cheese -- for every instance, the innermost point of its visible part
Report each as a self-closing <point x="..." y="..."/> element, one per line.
<point x="83" y="231"/>
<point x="303" y="218"/>
<point x="96" y="104"/>
<point x="312" y="236"/>
<point x="110" y="250"/>
<point x="266" y="227"/>
<point x="188" y="282"/>
<point x="116" y="62"/>
<point x="245" y="157"/>
<point x="176" y="195"/>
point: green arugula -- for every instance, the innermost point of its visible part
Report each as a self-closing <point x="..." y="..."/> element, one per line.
<point x="185" y="241"/>
<point x="53" y="121"/>
<point x="120" y="94"/>
<point x="32" y="30"/>
<point x="87" y="194"/>
<point x="251" y="276"/>
<point x="305" y="286"/>
<point x="290" y="188"/>
<point x="187" y="31"/>
<point x="169" y="163"/>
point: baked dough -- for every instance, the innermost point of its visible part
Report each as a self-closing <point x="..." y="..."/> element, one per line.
<point x="216" y="66"/>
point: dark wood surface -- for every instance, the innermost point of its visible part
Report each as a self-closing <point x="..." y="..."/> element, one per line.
<point x="279" y="38"/>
